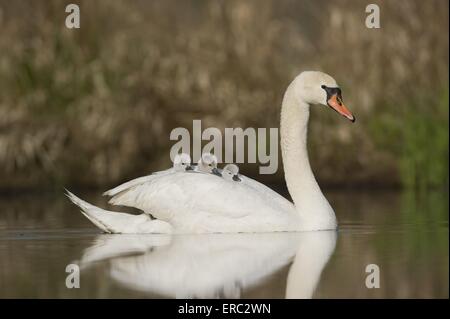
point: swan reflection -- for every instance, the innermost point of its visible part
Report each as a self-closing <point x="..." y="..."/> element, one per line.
<point x="212" y="266"/>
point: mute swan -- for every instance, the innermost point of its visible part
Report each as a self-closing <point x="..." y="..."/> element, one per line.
<point x="231" y="173"/>
<point x="202" y="203"/>
<point x="182" y="162"/>
<point x="208" y="164"/>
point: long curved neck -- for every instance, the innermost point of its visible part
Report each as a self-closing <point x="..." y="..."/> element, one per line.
<point x="302" y="185"/>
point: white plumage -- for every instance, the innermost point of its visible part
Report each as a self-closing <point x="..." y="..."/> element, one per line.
<point x="204" y="266"/>
<point x="193" y="202"/>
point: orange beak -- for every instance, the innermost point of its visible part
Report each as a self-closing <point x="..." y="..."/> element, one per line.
<point x="335" y="102"/>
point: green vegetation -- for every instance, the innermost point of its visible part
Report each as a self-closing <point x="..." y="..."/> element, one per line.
<point x="419" y="141"/>
<point x="424" y="155"/>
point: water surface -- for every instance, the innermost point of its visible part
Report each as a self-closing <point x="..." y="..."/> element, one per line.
<point x="404" y="234"/>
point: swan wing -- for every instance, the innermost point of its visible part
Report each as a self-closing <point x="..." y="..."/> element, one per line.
<point x="196" y="200"/>
<point x="263" y="189"/>
<point x="247" y="181"/>
<point x="134" y="182"/>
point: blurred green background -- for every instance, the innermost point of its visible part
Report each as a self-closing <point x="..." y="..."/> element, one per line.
<point x="94" y="106"/>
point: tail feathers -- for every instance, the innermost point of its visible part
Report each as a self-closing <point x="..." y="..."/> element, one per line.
<point x="90" y="211"/>
<point x="115" y="222"/>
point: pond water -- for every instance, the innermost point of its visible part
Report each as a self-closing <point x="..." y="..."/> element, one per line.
<point x="404" y="234"/>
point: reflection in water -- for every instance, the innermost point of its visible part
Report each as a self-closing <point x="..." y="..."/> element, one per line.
<point x="405" y="234"/>
<point x="212" y="266"/>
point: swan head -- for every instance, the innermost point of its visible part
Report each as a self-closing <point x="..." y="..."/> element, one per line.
<point x="182" y="162"/>
<point x="230" y="172"/>
<point x="208" y="164"/>
<point x="314" y="87"/>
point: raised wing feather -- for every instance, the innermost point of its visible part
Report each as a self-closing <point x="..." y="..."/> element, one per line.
<point x="135" y="182"/>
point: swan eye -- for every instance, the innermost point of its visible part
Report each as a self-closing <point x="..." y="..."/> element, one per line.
<point x="323" y="86"/>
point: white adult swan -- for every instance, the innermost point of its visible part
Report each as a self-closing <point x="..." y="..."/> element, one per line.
<point x="182" y="202"/>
